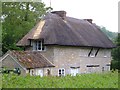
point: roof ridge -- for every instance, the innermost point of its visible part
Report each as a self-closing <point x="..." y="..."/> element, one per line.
<point x="68" y="32"/>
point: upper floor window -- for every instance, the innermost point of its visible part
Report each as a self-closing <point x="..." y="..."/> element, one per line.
<point x="105" y="53"/>
<point x="93" y="52"/>
<point x="38" y="45"/>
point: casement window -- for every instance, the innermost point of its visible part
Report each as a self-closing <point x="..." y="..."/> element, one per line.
<point x="61" y="72"/>
<point x="106" y="67"/>
<point x="103" y="69"/>
<point x="92" y="68"/>
<point x="105" y="53"/>
<point x="74" y="71"/>
<point x="39" y="46"/>
<point x="93" y="52"/>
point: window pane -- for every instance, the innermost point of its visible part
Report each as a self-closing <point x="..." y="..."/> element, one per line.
<point x="39" y="45"/>
<point x="62" y="71"/>
<point x="59" y="70"/>
<point x="43" y="47"/>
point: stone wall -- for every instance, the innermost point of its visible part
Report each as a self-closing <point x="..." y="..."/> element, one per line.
<point x="9" y="63"/>
<point x="48" y="53"/>
<point x="66" y="57"/>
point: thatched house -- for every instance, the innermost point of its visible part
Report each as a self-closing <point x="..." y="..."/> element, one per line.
<point x="60" y="45"/>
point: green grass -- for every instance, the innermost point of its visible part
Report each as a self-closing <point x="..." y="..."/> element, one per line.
<point x="95" y="80"/>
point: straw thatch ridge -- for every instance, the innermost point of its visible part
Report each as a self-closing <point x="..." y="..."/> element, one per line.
<point x="68" y="32"/>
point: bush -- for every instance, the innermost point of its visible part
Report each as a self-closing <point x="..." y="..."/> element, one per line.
<point x="115" y="65"/>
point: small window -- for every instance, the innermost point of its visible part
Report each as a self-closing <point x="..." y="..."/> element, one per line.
<point x="103" y="69"/>
<point x="92" y="68"/>
<point x="74" y="71"/>
<point x="105" y="53"/>
<point x="93" y="52"/>
<point x="106" y="67"/>
<point x="38" y="45"/>
<point x="48" y="72"/>
<point x="61" y="72"/>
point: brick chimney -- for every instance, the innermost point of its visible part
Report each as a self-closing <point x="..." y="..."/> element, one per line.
<point x="89" y="20"/>
<point x="62" y="14"/>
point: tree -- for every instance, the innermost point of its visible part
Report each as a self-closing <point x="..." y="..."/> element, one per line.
<point x="116" y="54"/>
<point x="116" y="51"/>
<point x="111" y="35"/>
<point x="17" y="19"/>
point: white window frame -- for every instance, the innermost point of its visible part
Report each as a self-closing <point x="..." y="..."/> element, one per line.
<point x="93" y="52"/>
<point x="36" y="46"/>
<point x="92" y="68"/>
<point x="105" y="53"/>
<point x="62" y="73"/>
<point x="106" y="67"/>
<point x="74" y="71"/>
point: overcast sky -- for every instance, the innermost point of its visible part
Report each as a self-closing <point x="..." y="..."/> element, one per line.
<point x="103" y="12"/>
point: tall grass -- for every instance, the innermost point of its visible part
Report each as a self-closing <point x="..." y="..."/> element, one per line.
<point x="94" y="80"/>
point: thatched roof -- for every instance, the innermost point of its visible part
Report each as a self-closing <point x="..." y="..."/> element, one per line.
<point x="67" y="31"/>
<point x="30" y="59"/>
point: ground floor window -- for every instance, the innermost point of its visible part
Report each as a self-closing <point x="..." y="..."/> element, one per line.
<point x="61" y="72"/>
<point x="48" y="72"/>
<point x="106" y="68"/>
<point x="40" y="72"/>
<point x="92" y="68"/>
<point x="74" y="71"/>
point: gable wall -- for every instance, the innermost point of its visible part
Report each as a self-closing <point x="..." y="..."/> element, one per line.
<point x="66" y="57"/>
<point x="10" y="64"/>
<point x="48" y="53"/>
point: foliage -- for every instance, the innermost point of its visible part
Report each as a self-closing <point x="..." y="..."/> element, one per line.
<point x="7" y="71"/>
<point x="17" y="19"/>
<point x="94" y="80"/>
<point x="115" y="64"/>
<point x="115" y="37"/>
<point x="111" y="35"/>
<point x="116" y="54"/>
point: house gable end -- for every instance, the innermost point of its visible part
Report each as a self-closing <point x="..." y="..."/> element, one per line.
<point x="8" y="55"/>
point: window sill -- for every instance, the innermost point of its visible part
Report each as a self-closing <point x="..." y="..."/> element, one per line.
<point x="92" y="56"/>
<point x="105" y="56"/>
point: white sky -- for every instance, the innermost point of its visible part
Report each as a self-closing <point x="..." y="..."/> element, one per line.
<point x="103" y="12"/>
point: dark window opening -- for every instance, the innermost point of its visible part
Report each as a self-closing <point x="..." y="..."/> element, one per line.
<point x="48" y="72"/>
<point x="74" y="67"/>
<point x="103" y="69"/>
<point x="93" y="65"/>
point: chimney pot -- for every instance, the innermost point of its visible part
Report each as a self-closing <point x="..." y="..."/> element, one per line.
<point x="62" y="14"/>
